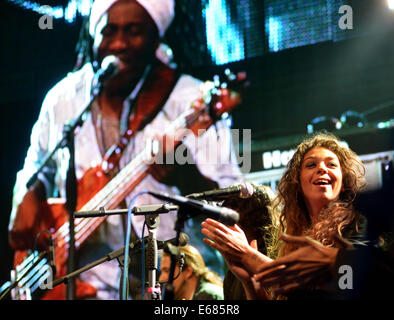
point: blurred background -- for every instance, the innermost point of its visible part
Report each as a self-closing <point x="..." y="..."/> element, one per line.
<point x="306" y="73"/>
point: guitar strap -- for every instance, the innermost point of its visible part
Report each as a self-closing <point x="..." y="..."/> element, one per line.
<point x="150" y="100"/>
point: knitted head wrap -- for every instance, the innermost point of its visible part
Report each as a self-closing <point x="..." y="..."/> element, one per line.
<point x="161" y="11"/>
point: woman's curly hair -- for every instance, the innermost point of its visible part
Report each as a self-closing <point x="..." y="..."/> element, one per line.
<point x="339" y="215"/>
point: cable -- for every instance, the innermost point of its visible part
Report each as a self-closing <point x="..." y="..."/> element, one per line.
<point x="181" y="263"/>
<point x="143" y="261"/>
<point x="127" y="243"/>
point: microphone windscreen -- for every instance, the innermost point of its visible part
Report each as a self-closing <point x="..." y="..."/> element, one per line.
<point x="108" y="60"/>
<point x="246" y="190"/>
<point x="183" y="239"/>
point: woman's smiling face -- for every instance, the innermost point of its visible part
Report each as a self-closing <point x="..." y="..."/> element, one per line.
<point x="320" y="178"/>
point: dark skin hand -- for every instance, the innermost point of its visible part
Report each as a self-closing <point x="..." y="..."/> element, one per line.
<point x="311" y="264"/>
<point x="31" y="218"/>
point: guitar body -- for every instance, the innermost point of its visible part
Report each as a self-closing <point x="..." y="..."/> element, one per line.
<point x="54" y="210"/>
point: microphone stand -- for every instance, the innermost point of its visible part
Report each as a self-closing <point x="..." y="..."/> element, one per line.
<point x="71" y="203"/>
<point x="151" y="213"/>
<point x="117" y="254"/>
<point x="152" y="222"/>
<point x="187" y="209"/>
<point x="179" y="226"/>
<point x="67" y="141"/>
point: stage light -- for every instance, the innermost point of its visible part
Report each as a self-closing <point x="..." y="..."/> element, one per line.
<point x="390" y="4"/>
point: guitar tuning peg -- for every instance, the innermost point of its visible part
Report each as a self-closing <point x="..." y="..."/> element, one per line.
<point x="216" y="81"/>
<point x="230" y="75"/>
<point x="241" y="76"/>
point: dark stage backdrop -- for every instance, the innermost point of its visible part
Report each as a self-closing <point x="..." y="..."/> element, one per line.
<point x="299" y="62"/>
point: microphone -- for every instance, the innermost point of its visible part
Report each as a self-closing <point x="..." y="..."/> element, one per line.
<point x="183" y="240"/>
<point x="109" y="68"/>
<point x="244" y="190"/>
<point x="181" y="261"/>
<point x="221" y="214"/>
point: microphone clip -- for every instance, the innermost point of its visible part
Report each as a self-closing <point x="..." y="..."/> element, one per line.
<point x="152" y="221"/>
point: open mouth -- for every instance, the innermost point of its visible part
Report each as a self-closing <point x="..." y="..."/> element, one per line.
<point x="322" y="182"/>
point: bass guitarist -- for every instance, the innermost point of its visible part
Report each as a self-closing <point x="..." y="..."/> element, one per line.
<point x="139" y="102"/>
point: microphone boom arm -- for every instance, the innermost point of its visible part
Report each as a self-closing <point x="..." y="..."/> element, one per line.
<point x="110" y="256"/>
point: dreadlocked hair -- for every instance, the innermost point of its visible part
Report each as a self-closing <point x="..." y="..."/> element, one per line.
<point x="84" y="46"/>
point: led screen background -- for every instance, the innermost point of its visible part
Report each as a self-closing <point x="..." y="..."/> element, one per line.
<point x="301" y="65"/>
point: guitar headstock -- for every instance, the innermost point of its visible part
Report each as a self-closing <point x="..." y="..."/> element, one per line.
<point x="223" y="93"/>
